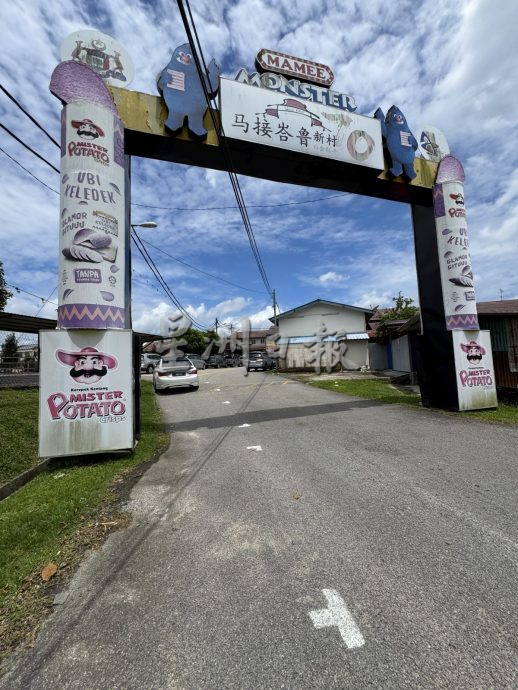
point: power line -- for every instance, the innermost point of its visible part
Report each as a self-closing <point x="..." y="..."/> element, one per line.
<point x="44" y="302"/>
<point x="221" y="139"/>
<point x="228" y="282"/>
<point x="28" y="171"/>
<point x="33" y="119"/>
<point x="154" y="269"/>
<point x="18" y="289"/>
<point x="224" y="208"/>
<point x="20" y="141"/>
<point x="191" y="208"/>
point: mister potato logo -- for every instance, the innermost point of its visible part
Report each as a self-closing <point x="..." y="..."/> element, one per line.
<point x="475" y="376"/>
<point x="88" y="366"/>
<point x="88" y="131"/>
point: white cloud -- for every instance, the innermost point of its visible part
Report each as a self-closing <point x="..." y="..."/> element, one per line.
<point x="332" y="278"/>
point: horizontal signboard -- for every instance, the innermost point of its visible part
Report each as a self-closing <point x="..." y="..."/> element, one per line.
<point x="269" y="118"/>
<point x="300" y="68"/>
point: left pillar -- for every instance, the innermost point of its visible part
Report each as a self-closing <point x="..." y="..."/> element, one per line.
<point x="86" y="374"/>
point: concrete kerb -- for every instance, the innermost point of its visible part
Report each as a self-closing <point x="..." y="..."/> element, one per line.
<point x="46" y="465"/>
<point x="7" y="489"/>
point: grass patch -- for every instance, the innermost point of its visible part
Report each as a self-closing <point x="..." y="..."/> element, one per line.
<point x="58" y="515"/>
<point x="384" y="391"/>
<point x="19" y="437"/>
<point x="373" y="389"/>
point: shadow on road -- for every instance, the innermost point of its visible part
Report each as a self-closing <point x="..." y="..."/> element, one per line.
<point x="276" y="414"/>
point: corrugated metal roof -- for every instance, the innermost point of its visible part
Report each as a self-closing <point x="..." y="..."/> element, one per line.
<point x="504" y="306"/>
<point x="20" y="323"/>
<point x="299" y="339"/>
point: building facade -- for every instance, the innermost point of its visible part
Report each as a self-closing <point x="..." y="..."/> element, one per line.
<point x="303" y="330"/>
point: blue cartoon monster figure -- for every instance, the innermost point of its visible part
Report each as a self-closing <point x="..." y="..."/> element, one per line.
<point x="180" y="85"/>
<point x="400" y="141"/>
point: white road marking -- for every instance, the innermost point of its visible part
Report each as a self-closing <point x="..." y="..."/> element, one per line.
<point x="253" y="448"/>
<point x="338" y="614"/>
<point x="226" y="402"/>
<point x="217" y="390"/>
<point x="243" y="426"/>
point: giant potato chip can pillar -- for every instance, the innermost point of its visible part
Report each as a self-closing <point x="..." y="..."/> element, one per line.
<point x="458" y="292"/>
<point x="87" y="384"/>
<point x="93" y="247"/>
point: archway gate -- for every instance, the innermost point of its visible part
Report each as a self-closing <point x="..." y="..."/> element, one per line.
<point x="87" y="412"/>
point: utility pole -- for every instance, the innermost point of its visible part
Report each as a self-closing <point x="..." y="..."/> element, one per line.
<point x="275" y="324"/>
<point x="501" y="294"/>
<point x="217" y="322"/>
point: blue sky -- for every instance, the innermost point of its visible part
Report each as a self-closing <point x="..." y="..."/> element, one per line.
<point x="450" y="64"/>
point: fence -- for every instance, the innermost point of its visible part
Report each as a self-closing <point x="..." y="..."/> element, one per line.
<point x="20" y="368"/>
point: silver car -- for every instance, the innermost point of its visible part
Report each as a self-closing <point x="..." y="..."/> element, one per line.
<point x="198" y="362"/>
<point x="175" y="373"/>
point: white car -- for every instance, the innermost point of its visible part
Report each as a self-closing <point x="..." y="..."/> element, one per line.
<point x="175" y="373"/>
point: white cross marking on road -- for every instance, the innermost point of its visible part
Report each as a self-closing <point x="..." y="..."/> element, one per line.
<point x="258" y="448"/>
<point x="338" y="614"/>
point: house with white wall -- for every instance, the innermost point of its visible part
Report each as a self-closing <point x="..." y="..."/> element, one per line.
<point x="323" y="321"/>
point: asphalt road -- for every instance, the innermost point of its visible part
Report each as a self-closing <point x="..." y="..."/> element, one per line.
<point x="295" y="538"/>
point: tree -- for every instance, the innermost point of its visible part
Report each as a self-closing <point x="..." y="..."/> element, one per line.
<point x="403" y="309"/>
<point x="5" y="295"/>
<point x="195" y="340"/>
<point x="10" y="349"/>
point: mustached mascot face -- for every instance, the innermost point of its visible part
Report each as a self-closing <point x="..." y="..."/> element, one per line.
<point x="474" y="351"/>
<point x="87" y="131"/>
<point x="88" y="369"/>
<point x="474" y="355"/>
<point x="88" y="365"/>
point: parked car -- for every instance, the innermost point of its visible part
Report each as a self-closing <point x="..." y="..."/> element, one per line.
<point x="175" y="373"/>
<point x="198" y="362"/>
<point x="231" y="360"/>
<point x="259" y="360"/>
<point x="148" y="361"/>
<point x="216" y="361"/>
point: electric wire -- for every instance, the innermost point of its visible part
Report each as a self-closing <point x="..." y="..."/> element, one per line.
<point x="223" y="280"/>
<point x="44" y="302"/>
<point x="224" y="208"/>
<point x="221" y="138"/>
<point x="18" y="289"/>
<point x="33" y="119"/>
<point x="156" y="272"/>
<point x="28" y="171"/>
<point x="152" y="266"/>
<point x="20" y="141"/>
<point x="189" y="208"/>
<point x="232" y="175"/>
